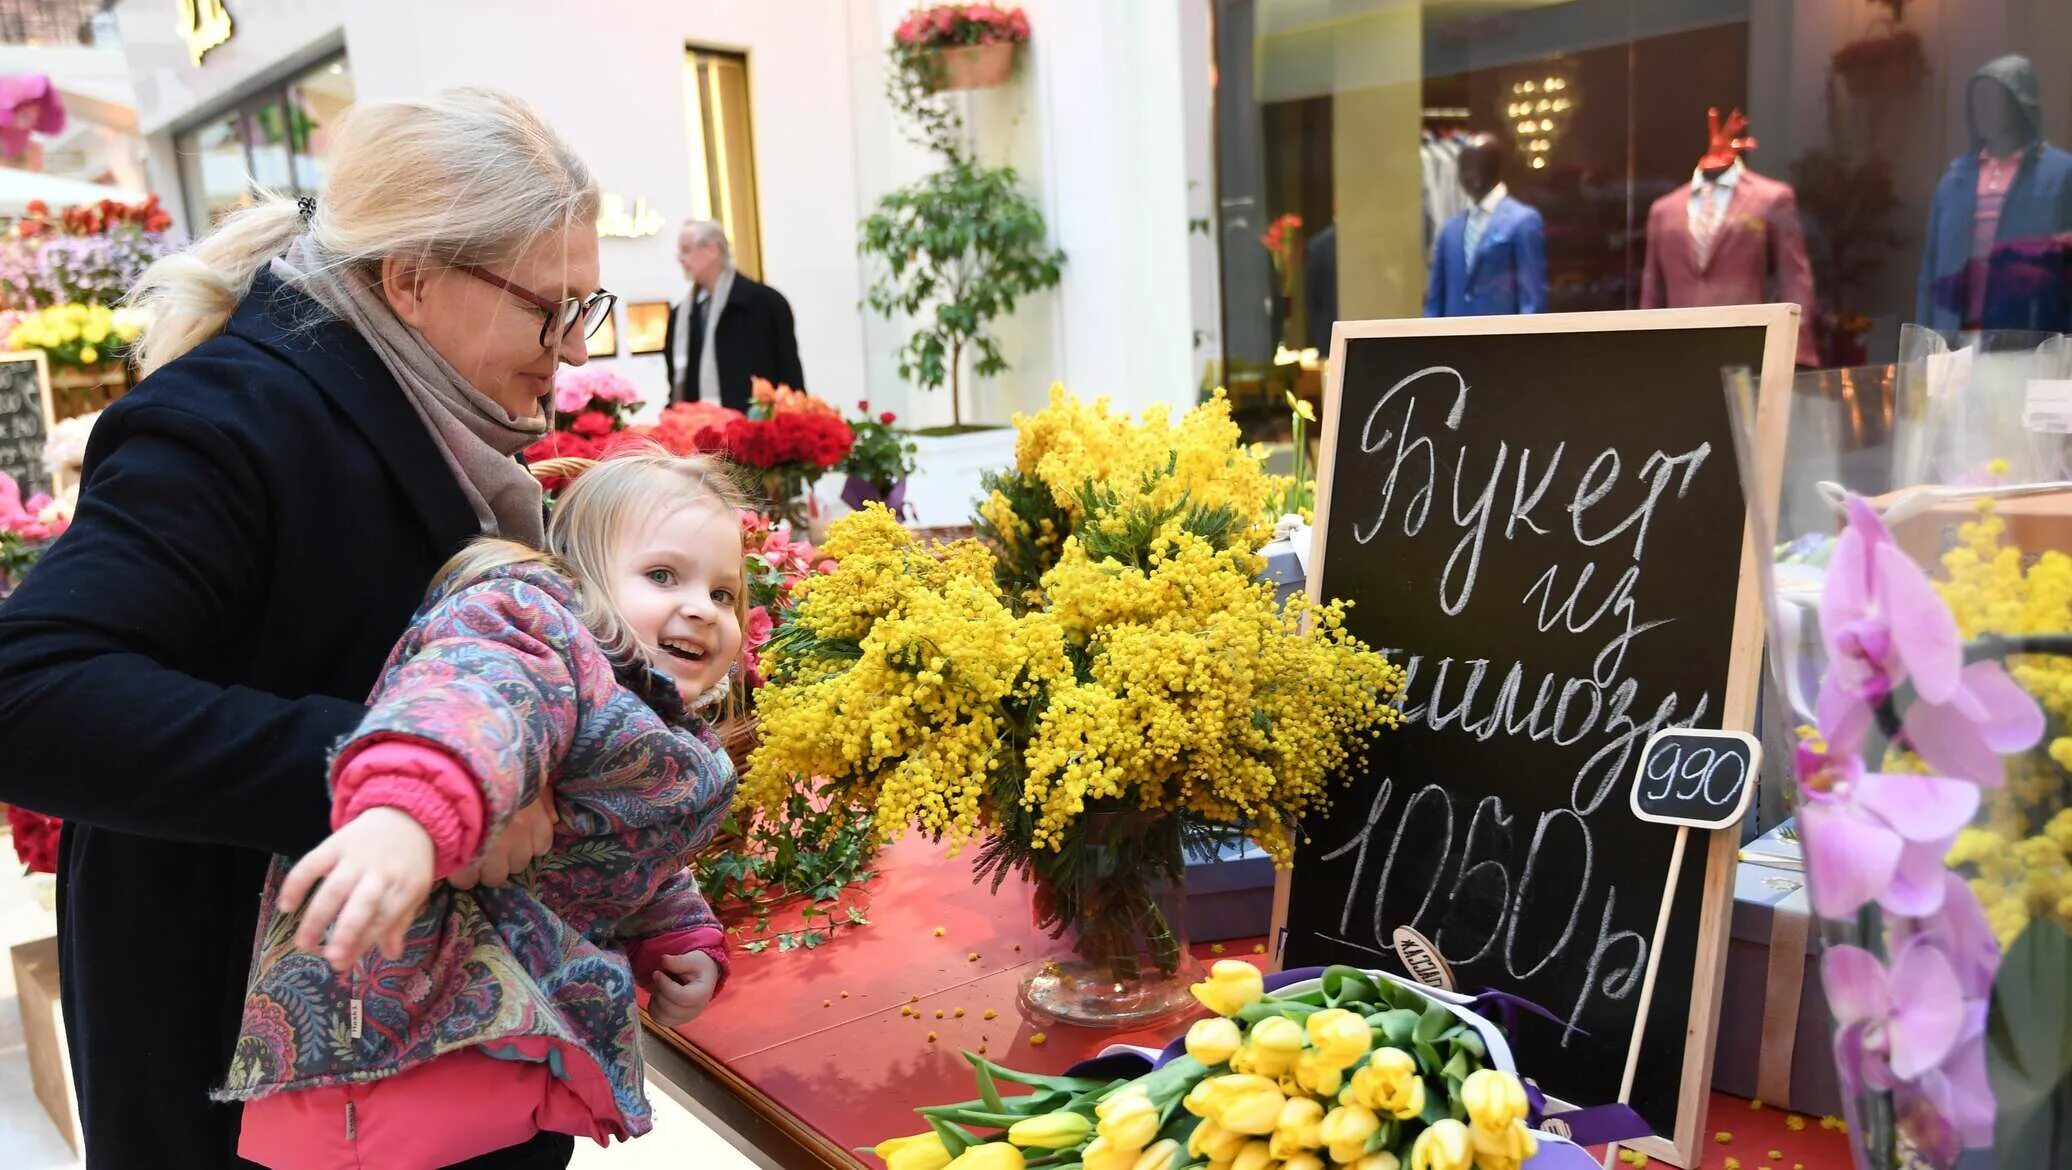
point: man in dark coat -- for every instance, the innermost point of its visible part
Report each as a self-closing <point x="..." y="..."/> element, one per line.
<point x="259" y="519"/>
<point x="727" y="329"/>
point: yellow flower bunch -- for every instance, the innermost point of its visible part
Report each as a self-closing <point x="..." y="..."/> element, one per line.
<point x="1148" y="669"/>
<point x="76" y="333"/>
<point x="2016" y="858"/>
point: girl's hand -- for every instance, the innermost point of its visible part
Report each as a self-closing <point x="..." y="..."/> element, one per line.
<point x="370" y="878"/>
<point x="528" y="835"/>
<point x="683" y="987"/>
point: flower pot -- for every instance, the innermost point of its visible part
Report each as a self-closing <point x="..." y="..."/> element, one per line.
<point x="945" y="487"/>
<point x="971" y="66"/>
<point x="858" y="491"/>
<point x="1119" y="912"/>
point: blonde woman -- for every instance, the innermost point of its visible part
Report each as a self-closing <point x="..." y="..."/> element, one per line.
<point x="334" y="392"/>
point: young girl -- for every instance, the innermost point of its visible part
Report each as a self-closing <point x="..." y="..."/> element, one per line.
<point x="489" y="1016"/>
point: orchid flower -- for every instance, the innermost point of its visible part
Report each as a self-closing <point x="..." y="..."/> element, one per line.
<point x="1884" y="624"/>
<point x="1876" y="836"/>
<point x="1892" y="1026"/>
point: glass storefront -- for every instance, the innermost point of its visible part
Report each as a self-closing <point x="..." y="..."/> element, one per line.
<point x="1900" y="162"/>
<point x="275" y="139"/>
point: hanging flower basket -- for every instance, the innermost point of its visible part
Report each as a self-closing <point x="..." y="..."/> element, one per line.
<point x="971" y="66"/>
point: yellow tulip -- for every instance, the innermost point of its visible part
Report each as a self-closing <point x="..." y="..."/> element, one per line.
<point x="1494" y="1099"/>
<point x="89" y="355"/>
<point x="1102" y="1154"/>
<point x="1210" y="1140"/>
<point x="1379" y="1160"/>
<point x="1346" y="1130"/>
<point x="1317" y="1076"/>
<point x="1204" y="1100"/>
<point x="1506" y="1148"/>
<point x="1389" y="1084"/>
<point x="1231" y="987"/>
<point x="1444" y="1146"/>
<point x="1051" y="1131"/>
<point x="922" y="1151"/>
<point x="1275" y="1042"/>
<point x="1303" y="1161"/>
<point x="1214" y="1041"/>
<point x="1300" y="1127"/>
<point x="1159" y="1157"/>
<point x="1251" y="1106"/>
<point x="1255" y="1156"/>
<point x="1122" y="1096"/>
<point x="1340" y="1037"/>
<point x="992" y="1156"/>
<point x="95" y="333"/>
<point x="1130" y="1123"/>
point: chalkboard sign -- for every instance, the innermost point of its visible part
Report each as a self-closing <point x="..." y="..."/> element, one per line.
<point x="1542" y="520"/>
<point x="1695" y="777"/>
<point x="25" y="419"/>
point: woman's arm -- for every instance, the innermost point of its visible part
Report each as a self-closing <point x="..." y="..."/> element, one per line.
<point x="163" y="562"/>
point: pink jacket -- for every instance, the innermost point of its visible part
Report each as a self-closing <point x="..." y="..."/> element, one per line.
<point x="1759" y="238"/>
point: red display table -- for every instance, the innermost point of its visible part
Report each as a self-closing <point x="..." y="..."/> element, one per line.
<point x="806" y="1055"/>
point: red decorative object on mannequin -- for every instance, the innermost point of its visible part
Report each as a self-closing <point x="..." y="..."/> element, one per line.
<point x="1726" y="141"/>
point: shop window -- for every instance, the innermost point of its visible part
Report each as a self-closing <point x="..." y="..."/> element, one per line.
<point x="722" y="151"/>
<point x="275" y="139"/>
<point x="1341" y="123"/>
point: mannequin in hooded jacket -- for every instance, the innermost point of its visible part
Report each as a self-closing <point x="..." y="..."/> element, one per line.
<point x="1998" y="250"/>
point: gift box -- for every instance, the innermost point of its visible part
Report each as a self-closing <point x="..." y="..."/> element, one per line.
<point x="1231" y="896"/>
<point x="1774" y="1030"/>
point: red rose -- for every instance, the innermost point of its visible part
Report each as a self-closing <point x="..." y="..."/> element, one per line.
<point x="35" y="839"/>
<point x="864" y="406"/>
<point x="887" y="418"/>
<point x="593" y="424"/>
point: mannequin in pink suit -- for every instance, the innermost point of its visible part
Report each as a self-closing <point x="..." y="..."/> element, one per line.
<point x="1720" y="238"/>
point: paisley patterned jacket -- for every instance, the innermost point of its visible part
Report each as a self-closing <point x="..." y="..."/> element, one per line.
<point x="501" y="675"/>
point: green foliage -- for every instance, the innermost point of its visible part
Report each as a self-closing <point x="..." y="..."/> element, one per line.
<point x="798" y="864"/>
<point x="2029" y="1049"/>
<point x="958" y="247"/>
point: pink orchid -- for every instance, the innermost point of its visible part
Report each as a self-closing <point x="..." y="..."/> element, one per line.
<point x="1958" y="929"/>
<point x="1876" y="836"/>
<point x="1951" y="1106"/>
<point x="1892" y="1026"/>
<point x="1884" y="624"/>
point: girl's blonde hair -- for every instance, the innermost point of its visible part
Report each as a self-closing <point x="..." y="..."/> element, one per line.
<point x="467" y="176"/>
<point x="593" y="515"/>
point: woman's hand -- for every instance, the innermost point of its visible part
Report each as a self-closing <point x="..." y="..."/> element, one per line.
<point x="683" y="988"/>
<point x="528" y="835"/>
<point x="369" y="878"/>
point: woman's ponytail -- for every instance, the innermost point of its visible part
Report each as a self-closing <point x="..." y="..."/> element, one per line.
<point x="187" y="297"/>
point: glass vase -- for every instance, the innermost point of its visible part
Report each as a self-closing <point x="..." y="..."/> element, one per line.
<point x="1114" y="899"/>
<point x="1918" y="519"/>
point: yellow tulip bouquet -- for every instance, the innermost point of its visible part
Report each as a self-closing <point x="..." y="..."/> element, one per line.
<point x="1355" y="1071"/>
<point x="1098" y="684"/>
<point x="76" y="334"/>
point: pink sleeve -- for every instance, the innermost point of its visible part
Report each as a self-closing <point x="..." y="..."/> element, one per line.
<point x="427" y="784"/>
<point x="647" y="953"/>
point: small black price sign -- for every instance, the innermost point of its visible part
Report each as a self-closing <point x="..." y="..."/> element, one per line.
<point x="1695" y="777"/>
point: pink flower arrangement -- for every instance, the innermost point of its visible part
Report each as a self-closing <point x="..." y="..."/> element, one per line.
<point x="776" y="564"/>
<point x="1910" y="1021"/>
<point x="581" y="388"/>
<point x="950" y="25"/>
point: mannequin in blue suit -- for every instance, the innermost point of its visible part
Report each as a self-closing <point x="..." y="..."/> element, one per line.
<point x="1508" y="271"/>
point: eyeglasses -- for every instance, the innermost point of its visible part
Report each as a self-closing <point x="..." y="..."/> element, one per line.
<point x="590" y="312"/>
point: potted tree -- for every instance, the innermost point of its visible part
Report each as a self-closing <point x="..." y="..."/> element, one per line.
<point x="954" y="251"/>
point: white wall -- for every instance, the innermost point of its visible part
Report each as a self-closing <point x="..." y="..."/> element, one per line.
<point x="610" y="78"/>
<point x="1094" y="120"/>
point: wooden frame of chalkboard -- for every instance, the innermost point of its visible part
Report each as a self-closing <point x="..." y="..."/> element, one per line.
<point x="24" y="432"/>
<point x="1564" y="394"/>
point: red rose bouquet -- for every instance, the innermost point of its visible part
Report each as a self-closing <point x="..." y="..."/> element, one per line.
<point x="789" y="436"/>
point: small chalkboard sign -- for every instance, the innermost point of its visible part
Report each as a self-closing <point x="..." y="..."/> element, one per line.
<point x="1541" y="519"/>
<point x="1697" y="777"/>
<point x="26" y="416"/>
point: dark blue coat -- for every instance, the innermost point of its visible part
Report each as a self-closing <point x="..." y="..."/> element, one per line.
<point x="259" y="520"/>
<point x="1509" y="274"/>
<point x="2029" y="274"/>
